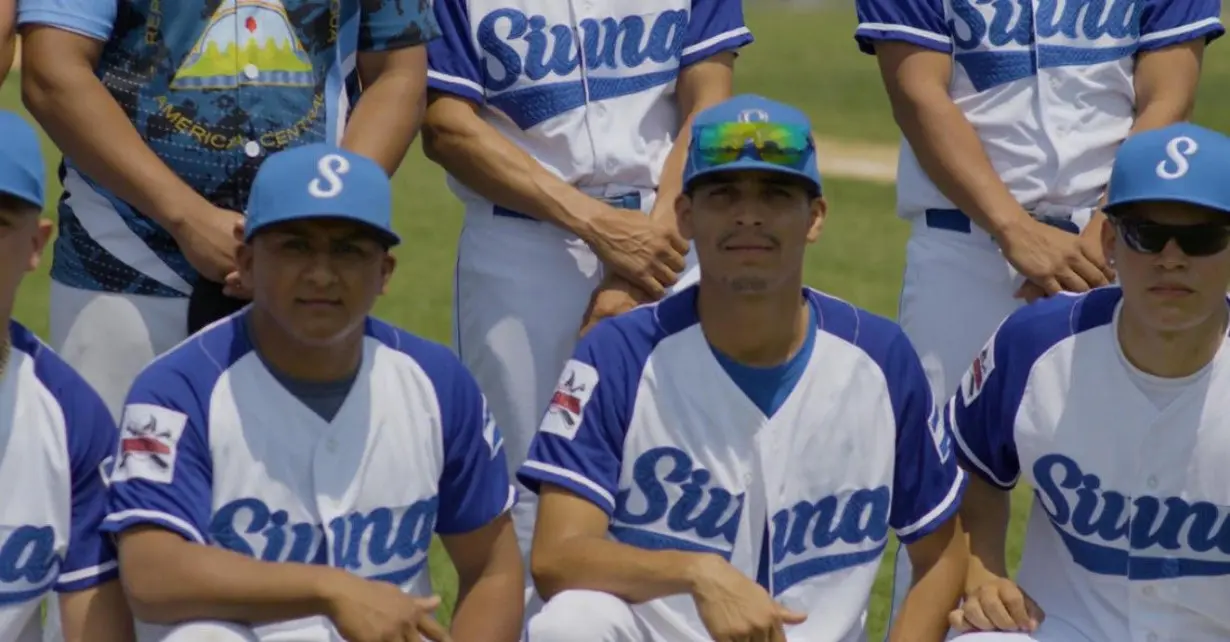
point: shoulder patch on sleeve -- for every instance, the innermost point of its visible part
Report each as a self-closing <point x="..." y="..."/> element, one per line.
<point x="491" y="432"/>
<point x="149" y="437"/>
<point x="976" y="377"/>
<point x="576" y="385"/>
<point x="939" y="435"/>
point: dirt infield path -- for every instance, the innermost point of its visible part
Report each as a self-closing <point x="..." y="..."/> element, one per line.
<point x="856" y="160"/>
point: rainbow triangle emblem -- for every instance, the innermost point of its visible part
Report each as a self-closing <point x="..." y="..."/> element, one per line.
<point x="243" y="33"/>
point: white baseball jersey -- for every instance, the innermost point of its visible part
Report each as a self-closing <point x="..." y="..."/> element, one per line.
<point x="584" y="86"/>
<point x="215" y="449"/>
<point x="1047" y="84"/>
<point x="794" y="474"/>
<point x="1128" y="538"/>
<point x="56" y="440"/>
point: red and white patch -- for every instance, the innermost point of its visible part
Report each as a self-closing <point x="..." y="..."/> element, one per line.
<point x="149" y="438"/>
<point x="976" y="377"/>
<point x="575" y="387"/>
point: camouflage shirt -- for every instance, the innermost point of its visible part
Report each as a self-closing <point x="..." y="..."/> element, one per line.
<point x="214" y="87"/>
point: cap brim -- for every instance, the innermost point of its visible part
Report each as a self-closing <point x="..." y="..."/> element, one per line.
<point x="387" y="237"/>
<point x="1113" y="207"/>
<point x="748" y="165"/>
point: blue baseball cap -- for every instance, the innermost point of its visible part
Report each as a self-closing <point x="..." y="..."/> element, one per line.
<point x="320" y="181"/>
<point x="22" y="174"/>
<point x="1182" y="163"/>
<point x="749" y="108"/>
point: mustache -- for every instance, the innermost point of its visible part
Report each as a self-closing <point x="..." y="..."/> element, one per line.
<point x="746" y="235"/>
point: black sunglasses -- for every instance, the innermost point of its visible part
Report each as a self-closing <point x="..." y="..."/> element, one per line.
<point x="1205" y="239"/>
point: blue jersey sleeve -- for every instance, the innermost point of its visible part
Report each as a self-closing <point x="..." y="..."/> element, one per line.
<point x="918" y="22"/>
<point x="90" y="18"/>
<point x="452" y="61"/>
<point x="90" y="559"/>
<point x="1169" y="22"/>
<point x="385" y="25"/>
<point x="579" y="445"/>
<point x="927" y="482"/>
<point x="475" y="487"/>
<point x="163" y="471"/>
<point x="714" y="26"/>
<point x="982" y="414"/>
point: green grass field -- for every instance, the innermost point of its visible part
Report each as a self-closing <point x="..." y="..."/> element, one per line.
<point x="859" y="258"/>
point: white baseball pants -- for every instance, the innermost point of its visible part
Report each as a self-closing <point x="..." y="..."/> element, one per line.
<point x="1051" y="630"/>
<point x="956" y="290"/>
<point x="521" y="289"/>
<point x="591" y="616"/>
<point x="108" y="338"/>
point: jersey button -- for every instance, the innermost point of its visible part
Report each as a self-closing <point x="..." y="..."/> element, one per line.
<point x="331" y="445"/>
<point x="1149" y="591"/>
<point x="250" y="71"/>
<point x="252" y="149"/>
<point x="1152" y="637"/>
<point x="1152" y="481"/>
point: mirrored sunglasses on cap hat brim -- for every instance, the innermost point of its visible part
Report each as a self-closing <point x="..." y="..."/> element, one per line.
<point x="789" y="146"/>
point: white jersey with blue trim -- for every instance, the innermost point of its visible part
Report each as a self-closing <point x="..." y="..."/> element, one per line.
<point x="649" y="425"/>
<point x="215" y="449"/>
<point x="56" y="441"/>
<point x="586" y="88"/>
<point x="1129" y="536"/>
<point x="1047" y="84"/>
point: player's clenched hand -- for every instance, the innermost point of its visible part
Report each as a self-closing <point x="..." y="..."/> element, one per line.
<point x="1053" y="259"/>
<point x="736" y="609"/>
<point x="997" y="605"/>
<point x="207" y="240"/>
<point x="614" y="296"/>
<point x="638" y="248"/>
<point x="371" y="611"/>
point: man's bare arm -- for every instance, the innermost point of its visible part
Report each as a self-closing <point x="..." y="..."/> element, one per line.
<point x="169" y="579"/>
<point x="82" y="118"/>
<point x="8" y="37"/>
<point x="390" y="110"/>
<point x="478" y="155"/>
<point x="939" y="560"/>
<point x="97" y="614"/>
<point x="491" y="583"/>
<point x="946" y="144"/>
<point x="571" y="551"/>
<point x="1166" y="80"/>
<point x="985" y="511"/>
<point x="699" y="86"/>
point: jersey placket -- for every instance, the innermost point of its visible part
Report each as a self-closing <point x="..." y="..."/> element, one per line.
<point x="251" y="149"/>
<point x="578" y="11"/>
<point x="1052" y="117"/>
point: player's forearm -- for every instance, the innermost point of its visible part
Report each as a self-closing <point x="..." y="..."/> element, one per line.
<point x="390" y="110"/>
<point x="491" y="609"/>
<point x="89" y="127"/>
<point x="171" y="582"/>
<point x="97" y="614"/>
<point x="479" y="156"/>
<point x="8" y="37"/>
<point x="939" y="580"/>
<point x="985" y="512"/>
<point x="949" y="150"/>
<point x="633" y="574"/>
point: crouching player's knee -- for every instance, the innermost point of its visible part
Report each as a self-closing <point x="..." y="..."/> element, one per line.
<point x="210" y="631"/>
<point x="584" y="615"/>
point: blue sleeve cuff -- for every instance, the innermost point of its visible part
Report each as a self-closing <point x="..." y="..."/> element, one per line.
<point x="472" y="525"/>
<point x="868" y="33"/>
<point x="459" y="87"/>
<point x="1210" y="29"/>
<point x="83" y="25"/>
<point x="733" y="39"/>
<point x="87" y="578"/>
<point x="938" y="515"/>
<point x="121" y="521"/>
<point x="534" y="473"/>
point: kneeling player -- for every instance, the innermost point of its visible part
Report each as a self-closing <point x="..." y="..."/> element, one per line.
<point x="286" y="468"/>
<point x="726" y="464"/>
<point x="1114" y="406"/>
<point x="55" y="437"/>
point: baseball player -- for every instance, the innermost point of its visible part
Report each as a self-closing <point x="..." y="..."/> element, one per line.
<point x="1112" y="406"/>
<point x="1011" y="114"/>
<point x="286" y="468"/>
<point x="164" y="111"/>
<point x="55" y="439"/>
<point x="552" y="119"/>
<point x="726" y="464"/>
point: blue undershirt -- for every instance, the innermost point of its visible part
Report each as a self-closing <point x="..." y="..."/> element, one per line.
<point x="769" y="388"/>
